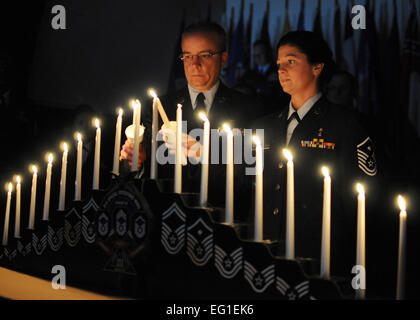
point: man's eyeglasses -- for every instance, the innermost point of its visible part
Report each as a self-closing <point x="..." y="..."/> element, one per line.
<point x="203" y="56"/>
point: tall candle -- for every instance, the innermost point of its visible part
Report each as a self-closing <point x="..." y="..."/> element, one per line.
<point x="361" y="237"/>
<point x="17" y="212"/>
<point x="258" y="219"/>
<point x="229" y="175"/>
<point x="47" y="188"/>
<point x="33" y="198"/>
<point x="290" y="207"/>
<point x="401" y="249"/>
<point x="7" y="216"/>
<point x="153" y="160"/>
<point x="326" y="226"/>
<point x="136" y="123"/>
<point x="97" y="158"/>
<point x="62" y="196"/>
<point x="159" y="106"/>
<point x="117" y="143"/>
<point x="78" y="183"/>
<point x="205" y="161"/>
<point x="178" y="151"/>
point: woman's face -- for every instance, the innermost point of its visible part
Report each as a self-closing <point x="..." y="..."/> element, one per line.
<point x="296" y="74"/>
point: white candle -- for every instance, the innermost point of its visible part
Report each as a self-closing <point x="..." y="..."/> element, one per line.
<point x="159" y="106"/>
<point x="18" y="202"/>
<point x="7" y="216"/>
<point x="229" y="175"/>
<point x="326" y="226"/>
<point x="153" y="160"/>
<point x="97" y="158"/>
<point x="205" y="161"/>
<point x="136" y="123"/>
<point x="47" y="189"/>
<point x="361" y="239"/>
<point x="117" y="143"/>
<point x="33" y="198"/>
<point x="178" y="151"/>
<point x="258" y="219"/>
<point x="401" y="249"/>
<point x="62" y="196"/>
<point x="78" y="183"/>
<point x="290" y="207"/>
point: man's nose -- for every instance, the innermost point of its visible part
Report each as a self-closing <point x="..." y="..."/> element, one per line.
<point x="196" y="60"/>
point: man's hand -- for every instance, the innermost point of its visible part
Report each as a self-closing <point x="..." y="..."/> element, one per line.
<point x="190" y="146"/>
<point x="127" y="153"/>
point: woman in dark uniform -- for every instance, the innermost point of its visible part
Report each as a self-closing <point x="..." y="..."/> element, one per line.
<point x="318" y="134"/>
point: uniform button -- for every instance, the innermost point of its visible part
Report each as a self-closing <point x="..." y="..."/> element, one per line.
<point x="277" y="188"/>
<point x="276" y="211"/>
<point x="280" y="165"/>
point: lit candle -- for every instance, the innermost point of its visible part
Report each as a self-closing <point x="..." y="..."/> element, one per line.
<point x="47" y="189"/>
<point x="401" y="249"/>
<point x="7" y="216"/>
<point x="229" y="175"/>
<point x="117" y="144"/>
<point x="258" y="219"/>
<point x="290" y="207"/>
<point x="33" y="199"/>
<point x="62" y="196"/>
<point x="360" y="253"/>
<point x="17" y="213"/>
<point x="205" y="161"/>
<point x="159" y="106"/>
<point x="153" y="160"/>
<point x="78" y="183"/>
<point x="326" y="225"/>
<point x="136" y="123"/>
<point x="97" y="158"/>
<point x="178" y="151"/>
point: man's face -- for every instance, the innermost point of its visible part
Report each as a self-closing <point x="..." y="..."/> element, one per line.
<point x="296" y="74"/>
<point x="260" y="55"/>
<point x="202" y="74"/>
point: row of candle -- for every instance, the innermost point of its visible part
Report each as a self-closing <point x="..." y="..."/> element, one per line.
<point x="258" y="230"/>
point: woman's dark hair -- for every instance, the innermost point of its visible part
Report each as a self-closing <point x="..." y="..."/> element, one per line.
<point x="316" y="50"/>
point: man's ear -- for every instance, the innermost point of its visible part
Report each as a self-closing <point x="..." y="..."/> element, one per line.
<point x="317" y="68"/>
<point x="225" y="57"/>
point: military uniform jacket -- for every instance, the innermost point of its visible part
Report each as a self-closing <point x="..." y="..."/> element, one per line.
<point x="327" y="136"/>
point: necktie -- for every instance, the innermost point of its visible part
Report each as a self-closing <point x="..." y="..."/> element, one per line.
<point x="295" y="116"/>
<point x="200" y="106"/>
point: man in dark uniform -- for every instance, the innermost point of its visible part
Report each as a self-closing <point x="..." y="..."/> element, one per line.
<point x="203" y="55"/>
<point x="318" y="134"/>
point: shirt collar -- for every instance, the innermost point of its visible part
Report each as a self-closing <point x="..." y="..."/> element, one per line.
<point x="304" y="109"/>
<point x="209" y="95"/>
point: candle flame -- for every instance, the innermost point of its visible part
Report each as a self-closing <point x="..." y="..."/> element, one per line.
<point x="360" y="189"/>
<point x="10" y="187"/>
<point x="288" y="154"/>
<point x="203" y="116"/>
<point x="50" y="157"/>
<point x="401" y="203"/>
<point x="325" y="171"/>
<point x="257" y="140"/>
<point x="179" y="105"/>
<point x="34" y="169"/>
<point x="226" y="127"/>
<point x="120" y="112"/>
<point x="133" y="104"/>
<point x="18" y="179"/>
<point x="152" y="93"/>
<point x="65" y="147"/>
<point x="78" y="137"/>
<point x="97" y="123"/>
